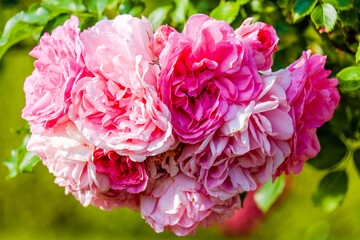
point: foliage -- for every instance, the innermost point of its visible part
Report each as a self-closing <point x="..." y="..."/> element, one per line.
<point x="327" y="27"/>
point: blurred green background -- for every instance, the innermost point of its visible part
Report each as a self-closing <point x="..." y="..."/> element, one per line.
<point x="33" y="207"/>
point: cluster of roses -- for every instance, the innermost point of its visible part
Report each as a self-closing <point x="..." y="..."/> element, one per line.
<point x="172" y="124"/>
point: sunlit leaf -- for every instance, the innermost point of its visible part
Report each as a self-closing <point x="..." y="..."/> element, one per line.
<point x="23" y="25"/>
<point x="340" y="4"/>
<point x="61" y="6"/>
<point x="269" y="193"/>
<point x="159" y="15"/>
<point x="179" y="14"/>
<point x="324" y="17"/>
<point x="331" y="191"/>
<point x="226" y="11"/>
<point x="95" y="6"/>
<point x="21" y="160"/>
<point x="349" y="78"/>
<point x="303" y="8"/>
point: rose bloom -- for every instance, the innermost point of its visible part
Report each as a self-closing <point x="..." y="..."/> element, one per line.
<point x="263" y="41"/>
<point x="48" y="90"/>
<point x="204" y="70"/>
<point x="68" y="155"/>
<point x="181" y="205"/>
<point x="313" y="98"/>
<point x="123" y="173"/>
<point x="118" y="109"/>
<point x="249" y="147"/>
<point x="160" y="38"/>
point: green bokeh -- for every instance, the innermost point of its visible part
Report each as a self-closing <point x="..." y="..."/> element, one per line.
<point x="33" y="207"/>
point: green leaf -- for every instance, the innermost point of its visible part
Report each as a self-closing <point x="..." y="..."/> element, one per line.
<point x="179" y="14"/>
<point x="269" y="193"/>
<point x="61" y="6"/>
<point x="340" y="4"/>
<point x="357" y="160"/>
<point x="357" y="55"/>
<point x="159" y="15"/>
<point x="125" y="6"/>
<point x="226" y="11"/>
<point x="348" y="18"/>
<point x="95" y="6"/>
<point x="28" y="162"/>
<point x="242" y="198"/>
<point x="21" y="160"/>
<point x="331" y="191"/>
<point x="23" y="25"/>
<point x="324" y="17"/>
<point x="332" y="151"/>
<point x="137" y="10"/>
<point x="303" y="8"/>
<point x="349" y="78"/>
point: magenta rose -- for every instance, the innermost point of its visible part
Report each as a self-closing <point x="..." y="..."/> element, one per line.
<point x="119" y="108"/>
<point x="313" y="97"/>
<point x="263" y="41"/>
<point x="204" y="70"/>
<point x="250" y="145"/>
<point x="123" y="173"/>
<point x="59" y="63"/>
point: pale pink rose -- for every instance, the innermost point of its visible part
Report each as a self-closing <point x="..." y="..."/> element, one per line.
<point x="67" y="154"/>
<point x="160" y="38"/>
<point x="123" y="173"/>
<point x="204" y="70"/>
<point x="119" y="109"/>
<point x="181" y="205"/>
<point x="263" y="41"/>
<point x="313" y="98"/>
<point x="59" y="63"/>
<point x="249" y="147"/>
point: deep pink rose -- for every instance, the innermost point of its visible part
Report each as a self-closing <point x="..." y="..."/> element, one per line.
<point x="123" y="173"/>
<point x="263" y="41"/>
<point x="181" y="205"/>
<point x="249" y="147"/>
<point x="204" y="70"/>
<point x="119" y="109"/>
<point x="313" y="98"/>
<point x="48" y="90"/>
<point x="160" y="38"/>
<point x="67" y="154"/>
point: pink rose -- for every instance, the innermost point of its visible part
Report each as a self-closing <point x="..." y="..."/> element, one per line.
<point x="180" y="204"/>
<point x="248" y="148"/>
<point x="67" y="154"/>
<point x="263" y="41"/>
<point x="59" y="64"/>
<point x="313" y="98"/>
<point x="204" y="70"/>
<point x="119" y="109"/>
<point x="123" y="173"/>
<point x="160" y="38"/>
